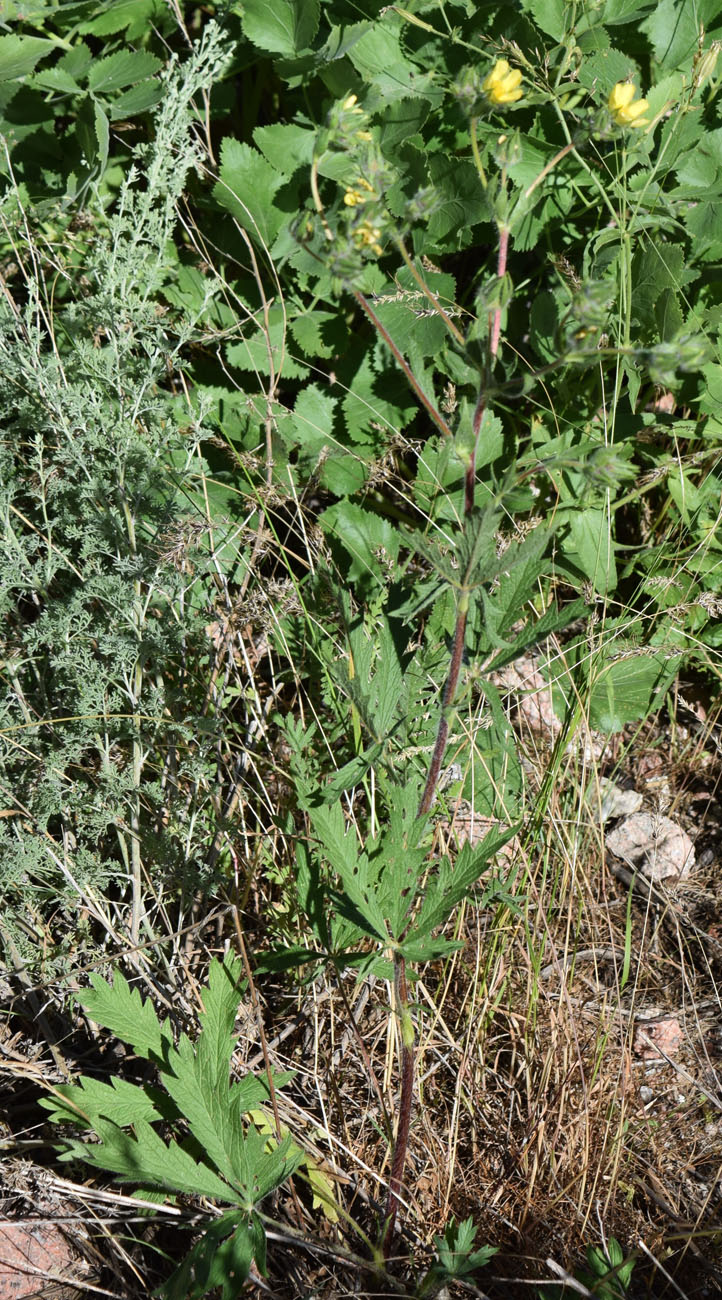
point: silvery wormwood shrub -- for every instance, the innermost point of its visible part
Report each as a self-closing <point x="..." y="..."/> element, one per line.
<point x="97" y="624"/>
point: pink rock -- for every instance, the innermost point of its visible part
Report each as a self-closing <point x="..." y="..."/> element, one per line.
<point x="655" y="1039"/>
<point x="654" y="844"/>
<point x="33" y="1253"/>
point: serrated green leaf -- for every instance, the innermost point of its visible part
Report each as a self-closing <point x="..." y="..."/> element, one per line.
<point x="135" y="16"/>
<point x="554" y="620"/>
<point x="102" y="134"/>
<point x="145" y="1158"/>
<point x="549" y="15"/>
<point x="521" y="569"/>
<point x="90" y="1100"/>
<point x="56" y="78"/>
<point x="308" y="332"/>
<point x="139" y="99"/>
<point x="246" y="189"/>
<point x="312" y="423"/>
<point x="264" y="347"/>
<point x="674" y="26"/>
<point x="460" y="201"/>
<point x="281" y="26"/>
<point x="372" y="541"/>
<point x="339" y="843"/>
<point x="358" y="900"/>
<point x="450" y="885"/>
<point x="19" y="55"/>
<point x="376" y="399"/>
<point x="285" y="145"/>
<point x="213" y="1262"/>
<point x="121" y="1009"/>
<point x="379" y="59"/>
<point x="117" y="71"/>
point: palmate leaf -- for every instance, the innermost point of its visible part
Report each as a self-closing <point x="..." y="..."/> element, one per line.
<point x="222" y="1258"/>
<point x="246" y="189"/>
<point x="204" y="1100"/>
<point x="358" y="899"/>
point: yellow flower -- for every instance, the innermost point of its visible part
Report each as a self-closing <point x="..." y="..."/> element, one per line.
<point x="361" y="192"/>
<point x="351" y="105"/>
<point x="502" y="85"/>
<point x="367" y="236"/>
<point x="625" y="109"/>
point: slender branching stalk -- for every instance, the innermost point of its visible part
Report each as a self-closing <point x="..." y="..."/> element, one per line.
<point x="403" y="1010"/>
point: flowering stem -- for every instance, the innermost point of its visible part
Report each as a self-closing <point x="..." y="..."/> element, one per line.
<point x="447" y="700"/>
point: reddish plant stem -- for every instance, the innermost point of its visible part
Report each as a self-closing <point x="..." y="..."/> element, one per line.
<point x="398" y="1161"/>
<point x="405" y="1104"/>
<point x="438" y="419"/>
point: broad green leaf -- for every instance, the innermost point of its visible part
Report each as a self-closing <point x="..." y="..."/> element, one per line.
<point x="411" y="318"/>
<point x="377" y="399"/>
<point x="264" y="346"/>
<point x="146" y="1158"/>
<point x="222" y="1258"/>
<point x="357" y="899"/>
<point x="102" y="134"/>
<point x="285" y="146"/>
<point x="460" y="201"/>
<point x="400" y="120"/>
<point x="549" y="15"/>
<point x="372" y="541"/>
<point x="246" y="189"/>
<point x="601" y="71"/>
<point x="120" y="70"/>
<point x="220" y="1002"/>
<point x="339" y="843"/>
<point x="134" y="16"/>
<point x="312" y="421"/>
<point x="656" y="267"/>
<point x="281" y="26"/>
<point x="451" y="884"/>
<point x="56" y="78"/>
<point x="378" y="58"/>
<point x="522" y="567"/>
<point x="630" y="688"/>
<point x="674" y="26"/>
<point x="203" y="1098"/>
<point x="19" y="54"/>
<point x="590" y="548"/>
<point x="139" y="99"/>
<point x="316" y="332"/>
<point x="536" y="630"/>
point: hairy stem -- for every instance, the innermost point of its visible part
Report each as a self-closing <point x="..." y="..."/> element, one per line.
<point x="398" y="1161"/>
<point x="405" y="1104"/>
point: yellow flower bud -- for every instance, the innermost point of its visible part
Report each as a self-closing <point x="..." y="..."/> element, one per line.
<point x="502" y="85"/>
<point x="625" y="109"/>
